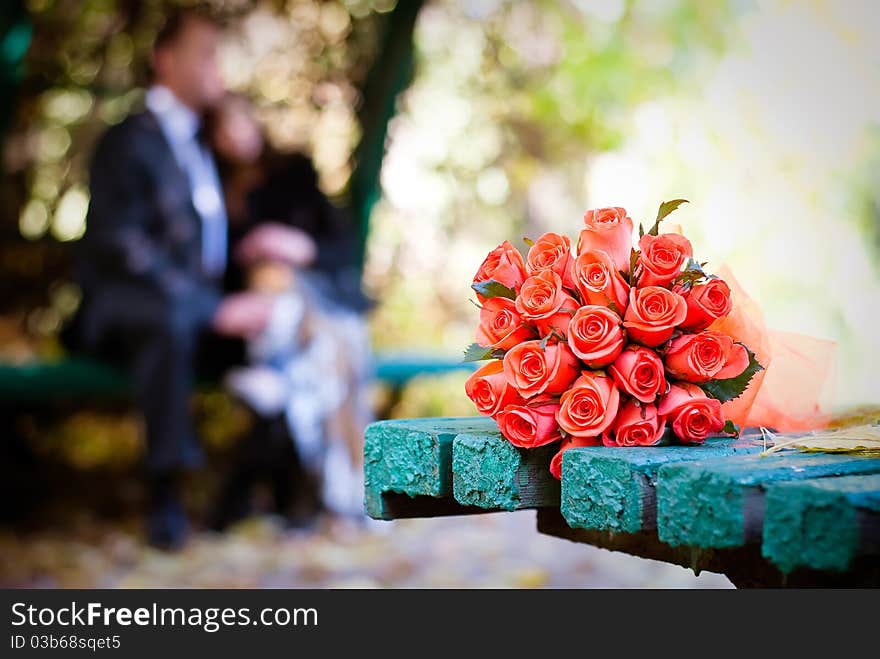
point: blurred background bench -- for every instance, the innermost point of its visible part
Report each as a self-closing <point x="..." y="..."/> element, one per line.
<point x="77" y="379"/>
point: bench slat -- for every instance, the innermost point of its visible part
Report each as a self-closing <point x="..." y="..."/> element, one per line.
<point x="744" y="566"/>
<point x="720" y="502"/>
<point x="412" y="457"/>
<point x="613" y="489"/>
<point x="825" y="523"/>
<point x="491" y="473"/>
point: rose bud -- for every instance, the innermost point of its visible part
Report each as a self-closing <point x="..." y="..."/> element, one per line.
<point x="662" y="258"/>
<point x="567" y="443"/>
<point x="636" y="425"/>
<point x="588" y="408"/>
<point x="530" y="425"/>
<point x="639" y="372"/>
<point x="505" y="265"/>
<point x="501" y="326"/>
<point x="543" y="301"/>
<point x="533" y="370"/>
<point x="653" y="314"/>
<point x="694" y="415"/>
<point x="707" y="303"/>
<point x="552" y="252"/>
<point x="598" y="282"/>
<point x="706" y="356"/>
<point x="610" y="230"/>
<point x="596" y="336"/>
<point x="489" y="389"/>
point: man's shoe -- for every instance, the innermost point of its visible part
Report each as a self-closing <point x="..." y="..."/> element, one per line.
<point x="168" y="527"/>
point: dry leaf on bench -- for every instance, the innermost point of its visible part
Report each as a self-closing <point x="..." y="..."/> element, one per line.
<point x="855" y="439"/>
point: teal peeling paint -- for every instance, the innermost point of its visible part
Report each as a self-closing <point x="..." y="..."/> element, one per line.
<point x="491" y="473"/>
<point x="606" y="488"/>
<point x="815" y="523"/>
<point x="412" y="456"/>
<point x="600" y="492"/>
<point x="702" y="503"/>
<point x="484" y="469"/>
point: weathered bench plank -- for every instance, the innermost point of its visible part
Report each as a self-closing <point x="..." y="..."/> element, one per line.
<point x="491" y="473"/>
<point x="613" y="489"/>
<point x="825" y="523"/>
<point x="705" y="507"/>
<point x="744" y="566"/>
<point x="413" y="457"/>
<point x="720" y="502"/>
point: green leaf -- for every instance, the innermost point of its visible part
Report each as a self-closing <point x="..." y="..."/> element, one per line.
<point x="730" y="428"/>
<point x="692" y="274"/>
<point x="665" y="209"/>
<point x="667" y="438"/>
<point x="528" y="241"/>
<point x="630" y="277"/>
<point x="491" y="288"/>
<point x="477" y="353"/>
<point x="554" y="333"/>
<point x="641" y="230"/>
<point x="725" y="390"/>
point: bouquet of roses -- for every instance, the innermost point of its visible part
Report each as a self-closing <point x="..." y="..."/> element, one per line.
<point x="607" y="345"/>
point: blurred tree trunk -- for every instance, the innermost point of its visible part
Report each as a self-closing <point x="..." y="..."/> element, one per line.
<point x="390" y="74"/>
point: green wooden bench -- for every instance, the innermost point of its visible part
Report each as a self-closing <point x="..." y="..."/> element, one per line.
<point x="781" y="519"/>
<point x="76" y="378"/>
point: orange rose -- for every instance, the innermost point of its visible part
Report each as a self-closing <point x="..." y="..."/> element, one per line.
<point x="595" y="335"/>
<point x="598" y="281"/>
<point x="707" y="303"/>
<point x="489" y="389"/>
<point x="501" y="325"/>
<point x="588" y="408"/>
<point x="662" y="258"/>
<point x="533" y="370"/>
<point x="530" y="425"/>
<point x="639" y="372"/>
<point x="694" y="415"/>
<point x="567" y="443"/>
<point x="542" y="300"/>
<point x="552" y="252"/>
<point x="636" y="425"/>
<point x="652" y="314"/>
<point x="706" y="356"/>
<point x="505" y="265"/>
<point x="611" y="230"/>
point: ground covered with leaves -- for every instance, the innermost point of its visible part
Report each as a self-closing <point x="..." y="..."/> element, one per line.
<point x="502" y="550"/>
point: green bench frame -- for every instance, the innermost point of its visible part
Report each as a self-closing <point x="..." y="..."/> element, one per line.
<point x="783" y="519"/>
<point x="77" y="378"/>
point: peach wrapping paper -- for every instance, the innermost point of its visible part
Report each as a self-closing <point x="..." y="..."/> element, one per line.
<point x="792" y="393"/>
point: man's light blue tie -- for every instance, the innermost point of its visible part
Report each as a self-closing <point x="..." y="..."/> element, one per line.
<point x="206" y="191"/>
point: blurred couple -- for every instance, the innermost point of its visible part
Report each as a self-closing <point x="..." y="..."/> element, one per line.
<point x="207" y="256"/>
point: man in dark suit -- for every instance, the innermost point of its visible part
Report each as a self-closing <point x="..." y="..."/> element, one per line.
<point x="154" y="255"/>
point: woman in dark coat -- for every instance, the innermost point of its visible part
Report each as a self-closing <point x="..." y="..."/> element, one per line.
<point x="312" y="363"/>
